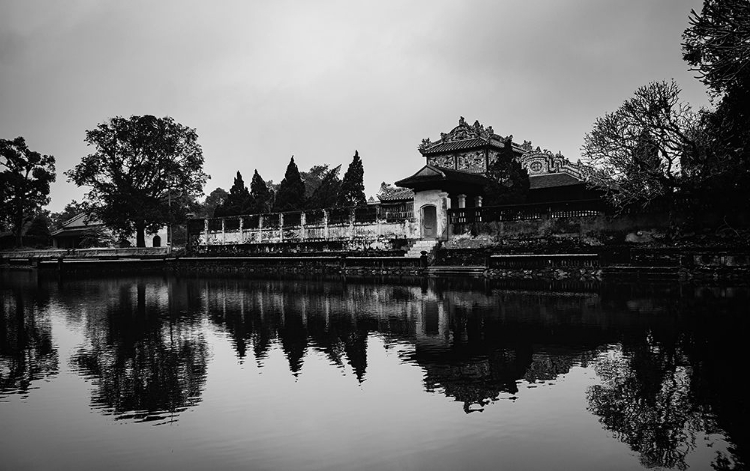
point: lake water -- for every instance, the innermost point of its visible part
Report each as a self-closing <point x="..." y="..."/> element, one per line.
<point x="369" y="373"/>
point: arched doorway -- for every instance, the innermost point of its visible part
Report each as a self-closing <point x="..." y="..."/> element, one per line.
<point x="157" y="241"/>
<point x="429" y="222"/>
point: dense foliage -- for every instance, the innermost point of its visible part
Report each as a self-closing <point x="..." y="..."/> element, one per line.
<point x="291" y="193"/>
<point x="261" y="195"/>
<point x="717" y="46"/>
<point x="508" y="180"/>
<point x="143" y="174"/>
<point x="352" y="192"/>
<point x="24" y="184"/>
<point x="237" y="202"/>
<point x="327" y="192"/>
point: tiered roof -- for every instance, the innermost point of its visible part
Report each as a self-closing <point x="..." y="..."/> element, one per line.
<point x="464" y="137"/>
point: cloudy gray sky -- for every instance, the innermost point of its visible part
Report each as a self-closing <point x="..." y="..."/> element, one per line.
<point x="262" y="81"/>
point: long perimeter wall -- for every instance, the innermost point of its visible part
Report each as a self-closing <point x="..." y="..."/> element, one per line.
<point x="370" y="227"/>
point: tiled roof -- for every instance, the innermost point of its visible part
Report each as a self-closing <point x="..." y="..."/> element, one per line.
<point x="398" y="195"/>
<point x="550" y="180"/>
<point x="455" y="145"/>
<point x="430" y="173"/>
<point x="79" y="220"/>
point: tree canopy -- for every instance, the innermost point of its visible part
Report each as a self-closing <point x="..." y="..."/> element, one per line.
<point x="143" y="173"/>
<point x="24" y="183"/>
<point x="291" y="193"/>
<point x="717" y="46"/>
<point x="508" y="180"/>
<point x="214" y="199"/>
<point x="639" y="152"/>
<point x="327" y="193"/>
<point x="260" y="194"/>
<point x="313" y="178"/>
<point x="352" y="191"/>
<point x="237" y="202"/>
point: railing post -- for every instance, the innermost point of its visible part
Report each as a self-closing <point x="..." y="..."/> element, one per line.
<point x="260" y="228"/>
<point x="281" y="227"/>
<point x="325" y="224"/>
<point x="302" y="228"/>
<point x="241" y="239"/>
<point x="351" y="223"/>
<point x="223" y="233"/>
<point x="205" y="230"/>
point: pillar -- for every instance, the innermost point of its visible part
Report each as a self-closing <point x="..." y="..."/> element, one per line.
<point x="461" y="201"/>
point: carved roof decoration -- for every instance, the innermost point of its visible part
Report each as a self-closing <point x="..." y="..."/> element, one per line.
<point x="538" y="162"/>
<point x="465" y="136"/>
<point x="399" y="194"/>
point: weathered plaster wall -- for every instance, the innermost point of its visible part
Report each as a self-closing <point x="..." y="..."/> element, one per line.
<point x="442" y="204"/>
<point x="599" y="229"/>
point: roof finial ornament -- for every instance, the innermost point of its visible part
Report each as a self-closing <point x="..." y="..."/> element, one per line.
<point x="461" y="121"/>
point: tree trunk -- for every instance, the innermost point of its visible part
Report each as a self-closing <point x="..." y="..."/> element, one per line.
<point x="140" y="234"/>
<point x="18" y="229"/>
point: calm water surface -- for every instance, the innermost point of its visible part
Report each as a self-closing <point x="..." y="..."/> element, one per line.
<point x="357" y="373"/>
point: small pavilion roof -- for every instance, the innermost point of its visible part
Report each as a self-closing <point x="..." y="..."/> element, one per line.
<point x="400" y="194"/>
<point x="549" y="180"/>
<point x="431" y="177"/>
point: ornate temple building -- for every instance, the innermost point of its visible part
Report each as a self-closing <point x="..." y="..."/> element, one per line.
<point x="454" y="174"/>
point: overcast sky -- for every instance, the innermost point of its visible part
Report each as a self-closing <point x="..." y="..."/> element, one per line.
<point x="262" y="81"/>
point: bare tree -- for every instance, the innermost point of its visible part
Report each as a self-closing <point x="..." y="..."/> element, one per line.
<point x="640" y="151"/>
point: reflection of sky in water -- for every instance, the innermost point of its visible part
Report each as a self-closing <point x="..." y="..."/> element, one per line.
<point x="309" y="399"/>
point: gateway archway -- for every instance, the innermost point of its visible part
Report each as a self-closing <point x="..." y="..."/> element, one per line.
<point x="429" y="222"/>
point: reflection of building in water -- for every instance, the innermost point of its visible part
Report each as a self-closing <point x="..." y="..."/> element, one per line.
<point x="473" y="345"/>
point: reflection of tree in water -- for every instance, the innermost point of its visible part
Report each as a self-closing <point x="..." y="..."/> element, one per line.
<point x="674" y="378"/>
<point x="645" y="401"/>
<point x="26" y="350"/>
<point x="145" y="358"/>
<point x="261" y="313"/>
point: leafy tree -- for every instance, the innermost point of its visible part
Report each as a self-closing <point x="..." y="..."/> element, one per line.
<point x="352" y="186"/>
<point x="24" y="183"/>
<point x="238" y="201"/>
<point x="313" y="178"/>
<point x="717" y="46"/>
<point x="213" y="201"/>
<point x="291" y="193"/>
<point x="262" y="198"/>
<point x="508" y="181"/>
<point x="639" y="151"/>
<point x="327" y="193"/>
<point x="144" y="173"/>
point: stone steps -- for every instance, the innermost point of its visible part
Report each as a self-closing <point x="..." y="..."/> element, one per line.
<point x="419" y="246"/>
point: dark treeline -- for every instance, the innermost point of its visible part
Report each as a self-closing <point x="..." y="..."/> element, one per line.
<point x="320" y="187"/>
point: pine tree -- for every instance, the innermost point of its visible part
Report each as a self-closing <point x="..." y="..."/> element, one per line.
<point x="260" y="195"/>
<point x="238" y="202"/>
<point x="291" y="194"/>
<point x="352" y="186"/>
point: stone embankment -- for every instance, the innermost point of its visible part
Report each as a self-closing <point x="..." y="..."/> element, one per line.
<point x="591" y="265"/>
